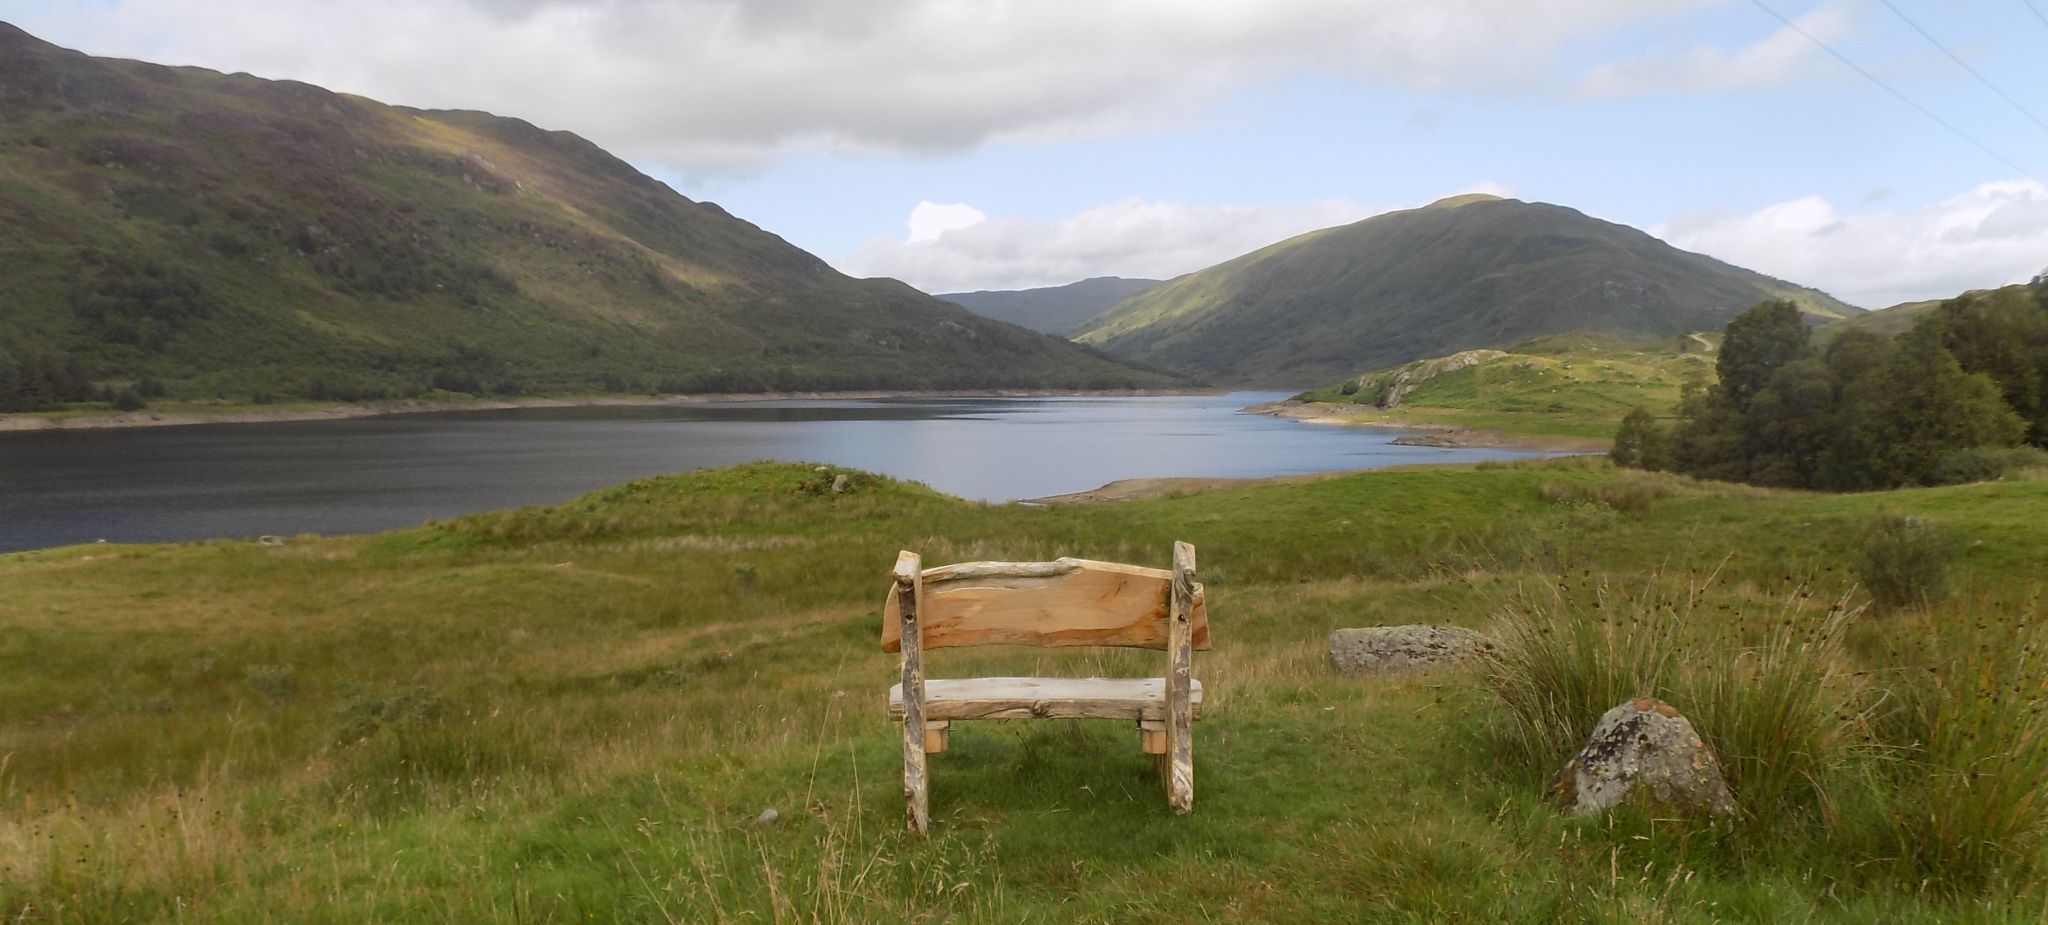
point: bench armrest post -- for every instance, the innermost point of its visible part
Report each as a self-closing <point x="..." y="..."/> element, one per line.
<point x="909" y="588"/>
<point x="1180" y="759"/>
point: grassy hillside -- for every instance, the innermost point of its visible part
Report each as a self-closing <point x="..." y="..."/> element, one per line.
<point x="1474" y="271"/>
<point x="1052" y="309"/>
<point x="579" y="713"/>
<point x="1898" y="319"/>
<point x="1571" y="387"/>
<point x="246" y="238"/>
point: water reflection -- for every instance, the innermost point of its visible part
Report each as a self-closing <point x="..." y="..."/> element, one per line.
<point x="378" y="473"/>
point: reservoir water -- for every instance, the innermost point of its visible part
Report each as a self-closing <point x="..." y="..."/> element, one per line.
<point x="377" y="473"/>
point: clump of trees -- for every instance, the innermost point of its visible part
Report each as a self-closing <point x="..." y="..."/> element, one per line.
<point x="1952" y="399"/>
<point x="34" y="383"/>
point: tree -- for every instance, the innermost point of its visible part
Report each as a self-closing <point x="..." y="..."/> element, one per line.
<point x="2003" y="335"/>
<point x="1641" y="443"/>
<point x="1789" y="426"/>
<point x="1755" y="344"/>
<point x="1930" y="408"/>
<point x="1859" y="362"/>
<point x="1708" y="440"/>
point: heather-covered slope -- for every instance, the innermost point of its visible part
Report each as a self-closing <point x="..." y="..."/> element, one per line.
<point x="234" y="236"/>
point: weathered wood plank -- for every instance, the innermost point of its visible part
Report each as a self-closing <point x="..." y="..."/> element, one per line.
<point x="1068" y="602"/>
<point x="1152" y="736"/>
<point x="907" y="595"/>
<point x="1045" y="698"/>
<point x="1180" y="778"/>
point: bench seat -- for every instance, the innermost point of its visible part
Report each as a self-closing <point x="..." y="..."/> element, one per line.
<point x="1142" y="699"/>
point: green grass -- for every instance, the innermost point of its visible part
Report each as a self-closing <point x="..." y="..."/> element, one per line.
<point x="577" y="712"/>
<point x="1572" y="387"/>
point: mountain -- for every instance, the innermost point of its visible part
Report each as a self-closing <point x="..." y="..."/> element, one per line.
<point x="233" y="236"/>
<point x="1471" y="271"/>
<point x="1053" y="309"/>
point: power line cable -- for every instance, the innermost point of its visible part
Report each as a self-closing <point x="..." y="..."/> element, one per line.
<point x="1958" y="59"/>
<point x="1894" y="91"/>
<point x="2043" y="17"/>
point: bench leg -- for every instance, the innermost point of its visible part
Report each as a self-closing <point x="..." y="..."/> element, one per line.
<point x="938" y="733"/>
<point x="1180" y="746"/>
<point x="915" y="811"/>
<point x="909" y="578"/>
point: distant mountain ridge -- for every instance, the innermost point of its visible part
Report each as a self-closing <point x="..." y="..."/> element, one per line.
<point x="1052" y="309"/>
<point x="1466" y="272"/>
<point x="234" y="236"/>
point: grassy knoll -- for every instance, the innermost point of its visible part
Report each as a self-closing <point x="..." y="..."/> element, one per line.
<point x="1571" y="388"/>
<point x="577" y="713"/>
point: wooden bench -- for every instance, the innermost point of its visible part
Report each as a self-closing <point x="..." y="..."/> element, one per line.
<point x="1070" y="602"/>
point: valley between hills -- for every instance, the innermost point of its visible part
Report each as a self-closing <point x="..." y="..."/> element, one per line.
<point x="1811" y="534"/>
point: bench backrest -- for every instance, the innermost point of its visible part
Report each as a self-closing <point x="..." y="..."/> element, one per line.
<point x="1069" y="602"/>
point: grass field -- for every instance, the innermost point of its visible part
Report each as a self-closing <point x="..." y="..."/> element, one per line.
<point x="578" y="713"/>
<point x="1571" y="386"/>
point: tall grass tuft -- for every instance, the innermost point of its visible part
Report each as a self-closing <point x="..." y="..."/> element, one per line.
<point x="1565" y="655"/>
<point x="1768" y="694"/>
<point x="1778" y="701"/>
<point x="1964" y="782"/>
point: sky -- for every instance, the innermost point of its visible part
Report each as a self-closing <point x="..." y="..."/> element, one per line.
<point x="1882" y="150"/>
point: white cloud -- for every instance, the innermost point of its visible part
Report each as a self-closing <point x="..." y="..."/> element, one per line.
<point x="1778" y="58"/>
<point x="1129" y="237"/>
<point x="931" y="219"/>
<point x="1992" y="235"/>
<point x="709" y="85"/>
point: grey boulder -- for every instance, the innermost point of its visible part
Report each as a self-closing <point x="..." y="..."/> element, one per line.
<point x="1393" y="649"/>
<point x="1644" y="750"/>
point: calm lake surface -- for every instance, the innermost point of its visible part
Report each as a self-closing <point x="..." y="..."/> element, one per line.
<point x="364" y="474"/>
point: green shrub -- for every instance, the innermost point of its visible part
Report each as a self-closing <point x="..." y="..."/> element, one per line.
<point x="1904" y="561"/>
<point x="1987" y="463"/>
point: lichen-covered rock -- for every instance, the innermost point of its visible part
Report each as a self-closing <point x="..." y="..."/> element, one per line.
<point x="1391" y="649"/>
<point x="1644" y="750"/>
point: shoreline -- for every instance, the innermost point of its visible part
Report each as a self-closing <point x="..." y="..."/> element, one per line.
<point x="1155" y="486"/>
<point x="28" y="421"/>
<point x="1449" y="436"/>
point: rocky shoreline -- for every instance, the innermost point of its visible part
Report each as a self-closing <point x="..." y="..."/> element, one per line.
<point x="1434" y="434"/>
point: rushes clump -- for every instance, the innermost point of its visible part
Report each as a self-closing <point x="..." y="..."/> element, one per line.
<point x="1964" y="779"/>
<point x="1768" y="692"/>
<point x="1904" y="561"/>
<point x="1566" y="655"/>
